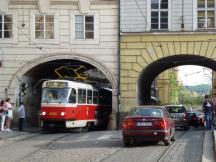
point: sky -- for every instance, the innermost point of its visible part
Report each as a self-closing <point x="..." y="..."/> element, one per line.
<point x="194" y="75"/>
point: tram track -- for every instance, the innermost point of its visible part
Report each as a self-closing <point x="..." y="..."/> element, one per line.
<point x="178" y="143"/>
<point x="42" y="147"/>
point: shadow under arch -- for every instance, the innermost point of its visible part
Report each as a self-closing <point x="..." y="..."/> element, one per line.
<point x="155" y="68"/>
<point x="58" y="56"/>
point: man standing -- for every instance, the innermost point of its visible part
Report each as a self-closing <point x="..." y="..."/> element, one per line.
<point x="207" y="109"/>
<point x="21" y="111"/>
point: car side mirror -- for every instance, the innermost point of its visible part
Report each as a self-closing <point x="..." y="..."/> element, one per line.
<point x="173" y="116"/>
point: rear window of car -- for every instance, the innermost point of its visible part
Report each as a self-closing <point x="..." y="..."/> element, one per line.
<point x="146" y="112"/>
<point x="176" y="109"/>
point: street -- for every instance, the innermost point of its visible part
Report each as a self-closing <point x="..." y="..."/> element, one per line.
<point x="100" y="146"/>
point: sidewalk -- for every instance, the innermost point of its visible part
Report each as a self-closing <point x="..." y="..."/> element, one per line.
<point x="15" y="132"/>
<point x="209" y="146"/>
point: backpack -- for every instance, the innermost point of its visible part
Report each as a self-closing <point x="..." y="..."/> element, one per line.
<point x="207" y="106"/>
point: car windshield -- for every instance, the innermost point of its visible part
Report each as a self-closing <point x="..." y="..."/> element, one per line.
<point x="176" y="109"/>
<point x="146" y="112"/>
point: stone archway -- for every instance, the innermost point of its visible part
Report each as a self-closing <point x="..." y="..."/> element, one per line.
<point x="139" y="51"/>
<point x="155" y="68"/>
<point x="16" y="79"/>
<point x="40" y="60"/>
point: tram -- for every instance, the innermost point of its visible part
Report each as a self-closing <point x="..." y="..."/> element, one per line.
<point x="71" y="104"/>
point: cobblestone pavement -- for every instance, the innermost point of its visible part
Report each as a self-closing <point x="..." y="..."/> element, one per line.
<point x="95" y="146"/>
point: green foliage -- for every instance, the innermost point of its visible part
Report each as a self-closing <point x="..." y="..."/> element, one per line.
<point x="189" y="95"/>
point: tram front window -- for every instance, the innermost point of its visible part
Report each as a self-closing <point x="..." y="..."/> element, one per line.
<point x="55" y="95"/>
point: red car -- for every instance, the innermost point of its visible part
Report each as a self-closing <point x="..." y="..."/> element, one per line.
<point x="148" y="123"/>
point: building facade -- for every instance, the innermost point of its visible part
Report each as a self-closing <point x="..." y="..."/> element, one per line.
<point x="157" y="35"/>
<point x="34" y="33"/>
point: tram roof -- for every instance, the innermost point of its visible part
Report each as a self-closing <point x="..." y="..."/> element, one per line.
<point x="70" y="83"/>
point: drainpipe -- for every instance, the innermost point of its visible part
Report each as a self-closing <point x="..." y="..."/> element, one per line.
<point x="118" y="81"/>
<point x="182" y="17"/>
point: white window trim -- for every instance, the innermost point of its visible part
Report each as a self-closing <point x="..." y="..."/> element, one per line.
<point x="15" y="26"/>
<point x="149" y="17"/>
<point x="32" y="28"/>
<point x="195" y="22"/>
<point x="73" y="40"/>
<point x="194" y="15"/>
<point x="84" y="25"/>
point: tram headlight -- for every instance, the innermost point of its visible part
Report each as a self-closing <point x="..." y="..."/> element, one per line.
<point x="43" y="113"/>
<point x="62" y="114"/>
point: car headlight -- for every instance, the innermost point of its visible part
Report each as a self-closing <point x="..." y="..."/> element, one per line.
<point x="43" y="113"/>
<point x="62" y="114"/>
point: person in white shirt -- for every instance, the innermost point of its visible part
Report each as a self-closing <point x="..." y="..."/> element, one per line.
<point x="21" y="111"/>
<point x="9" y="115"/>
<point x="2" y="114"/>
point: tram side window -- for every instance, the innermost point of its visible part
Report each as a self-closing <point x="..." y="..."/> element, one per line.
<point x="72" y="98"/>
<point x="89" y="96"/>
<point x="81" y="96"/>
<point x="95" y="97"/>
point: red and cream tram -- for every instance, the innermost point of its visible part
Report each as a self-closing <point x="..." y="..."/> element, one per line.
<point x="72" y="104"/>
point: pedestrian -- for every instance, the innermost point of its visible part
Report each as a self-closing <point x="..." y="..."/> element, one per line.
<point x="214" y="110"/>
<point x="9" y="115"/>
<point x="2" y="114"/>
<point x="21" y="111"/>
<point x="207" y="109"/>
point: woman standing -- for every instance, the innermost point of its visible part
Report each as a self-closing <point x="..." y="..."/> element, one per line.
<point x="2" y="114"/>
<point x="9" y="115"/>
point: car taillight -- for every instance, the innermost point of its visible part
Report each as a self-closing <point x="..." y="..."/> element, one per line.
<point x="127" y="124"/>
<point x="163" y="124"/>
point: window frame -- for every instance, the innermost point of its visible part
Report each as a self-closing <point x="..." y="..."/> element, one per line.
<point x="159" y="10"/>
<point x="44" y="26"/>
<point x="205" y="9"/>
<point x="84" y="27"/>
<point x="14" y="38"/>
<point x="3" y="26"/>
<point x="82" y="95"/>
<point x="73" y="40"/>
<point x="56" y="28"/>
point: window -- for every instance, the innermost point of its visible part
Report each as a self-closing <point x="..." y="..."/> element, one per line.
<point x="81" y="96"/>
<point x="84" y="27"/>
<point x="72" y="97"/>
<point x="5" y="26"/>
<point x="44" y="26"/>
<point x="206" y="14"/>
<point x="159" y="14"/>
<point x="95" y="97"/>
<point x="89" y="97"/>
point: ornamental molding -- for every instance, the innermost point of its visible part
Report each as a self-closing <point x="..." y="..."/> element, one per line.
<point x="43" y="5"/>
<point x="4" y="6"/>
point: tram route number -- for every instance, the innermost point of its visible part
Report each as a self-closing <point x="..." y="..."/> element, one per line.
<point x="52" y="113"/>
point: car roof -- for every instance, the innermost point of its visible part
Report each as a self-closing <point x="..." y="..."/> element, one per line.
<point x="150" y="106"/>
<point x="174" y="105"/>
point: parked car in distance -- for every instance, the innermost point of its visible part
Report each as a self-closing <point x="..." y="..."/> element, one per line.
<point x="148" y="123"/>
<point x="180" y="115"/>
<point x="196" y="118"/>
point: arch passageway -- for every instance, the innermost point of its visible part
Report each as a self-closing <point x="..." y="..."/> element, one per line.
<point x="155" y="68"/>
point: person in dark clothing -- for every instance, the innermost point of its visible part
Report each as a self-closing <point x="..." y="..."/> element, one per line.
<point x="207" y="110"/>
<point x="21" y="111"/>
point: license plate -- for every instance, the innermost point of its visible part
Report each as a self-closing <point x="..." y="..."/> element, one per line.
<point x="144" y="124"/>
<point x="53" y="113"/>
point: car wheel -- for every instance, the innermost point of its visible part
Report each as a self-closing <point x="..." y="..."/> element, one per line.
<point x="127" y="143"/>
<point x="173" y="138"/>
<point x="186" y="128"/>
<point x="167" y="142"/>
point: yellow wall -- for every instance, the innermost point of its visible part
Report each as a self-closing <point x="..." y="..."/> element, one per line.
<point x="138" y="51"/>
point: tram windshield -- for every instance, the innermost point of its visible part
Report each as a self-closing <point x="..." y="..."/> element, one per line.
<point x="55" y="95"/>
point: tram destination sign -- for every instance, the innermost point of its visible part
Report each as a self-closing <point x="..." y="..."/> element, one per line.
<point x="57" y="84"/>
